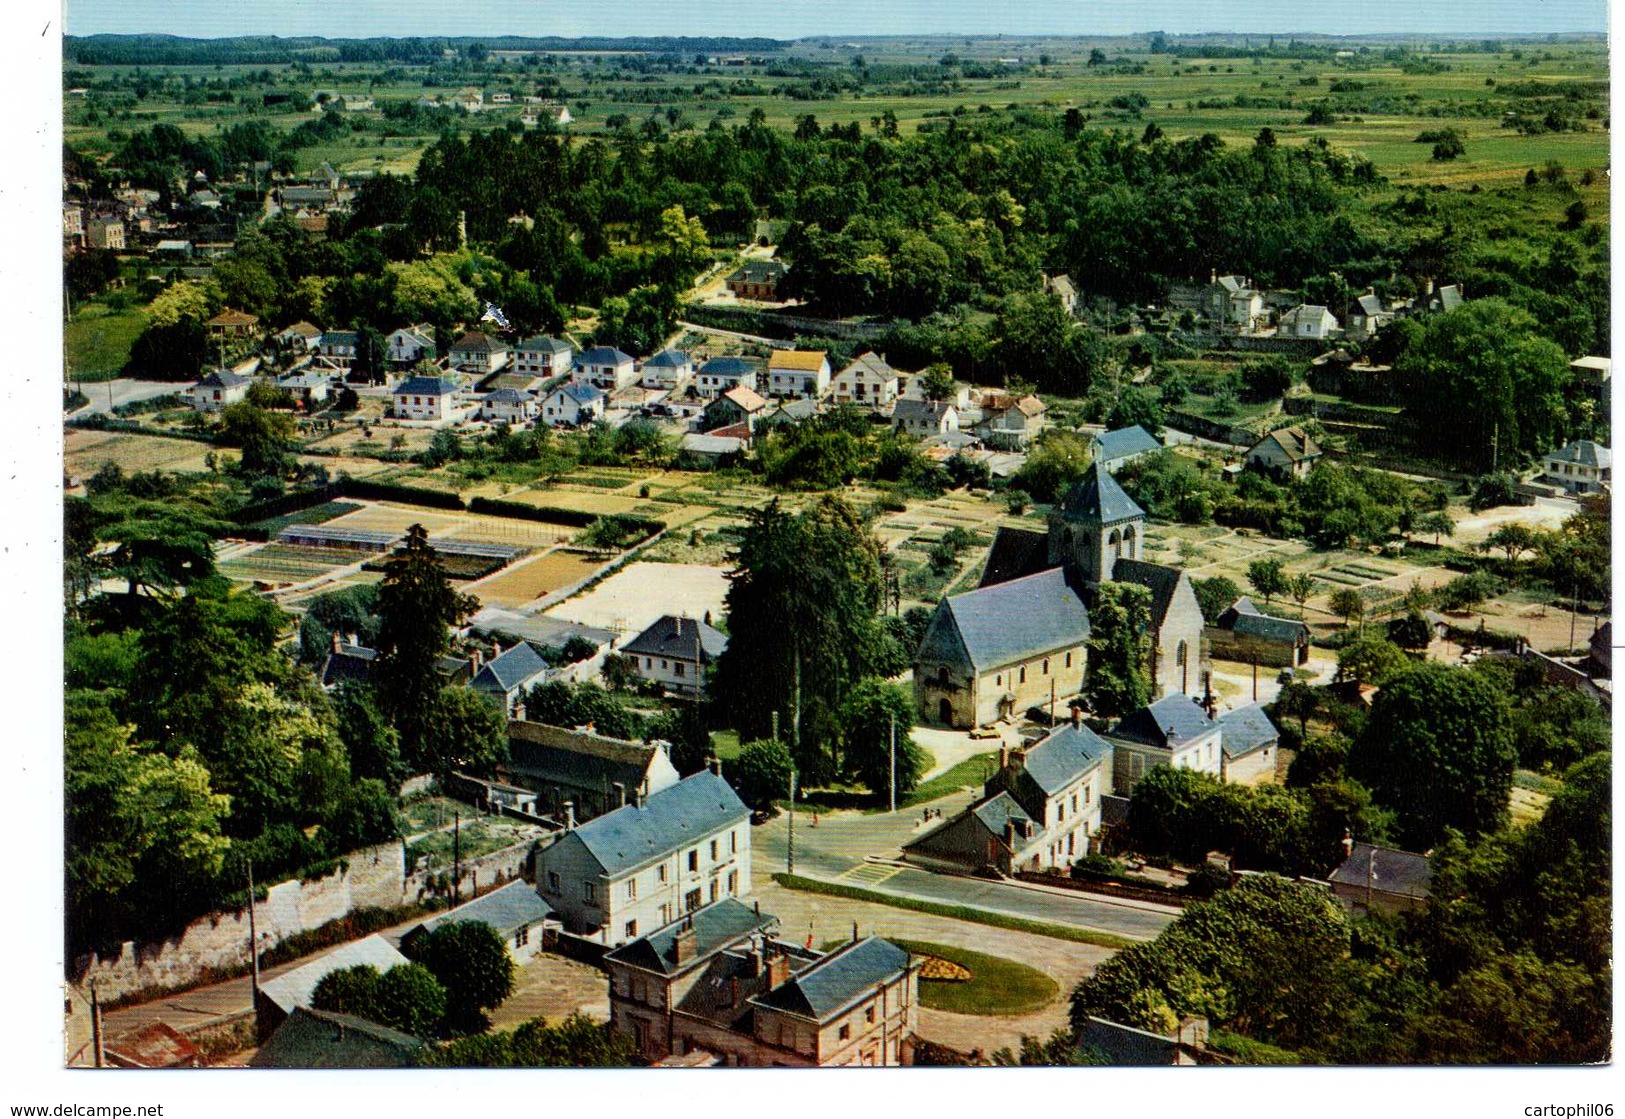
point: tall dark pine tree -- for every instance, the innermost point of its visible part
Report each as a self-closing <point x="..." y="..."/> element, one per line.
<point x="803" y="620"/>
<point x="417" y="606"/>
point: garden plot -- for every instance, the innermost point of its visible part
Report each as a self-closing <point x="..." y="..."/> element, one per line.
<point x="631" y="599"/>
<point x="398" y="518"/>
<point x="289" y="563"/>
<point x="597" y="503"/>
<point x="533" y="578"/>
<point x="86" y="452"/>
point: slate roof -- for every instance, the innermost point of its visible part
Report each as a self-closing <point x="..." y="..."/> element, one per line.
<point x="1584" y="452"/>
<point x="506" y="909"/>
<point x="351" y="662"/>
<point x="539" y="754"/>
<point x="998" y="810"/>
<point x="1015" y="552"/>
<point x="667" y="359"/>
<point x="302" y="328"/>
<point x="759" y="272"/>
<point x="1308" y="312"/>
<point x="1244" y="730"/>
<point x="1387" y="869"/>
<point x="915" y="410"/>
<point x="1064" y="755"/>
<point x="584" y="395"/>
<point x="339" y="338"/>
<point x="630" y="836"/>
<point x="1019" y="619"/>
<point x="1162" y="581"/>
<point x="838" y="979"/>
<point x="507" y="396"/>
<point x="1450" y="297"/>
<point x="716" y="926"/>
<point x="1370" y="304"/>
<point x="869" y="362"/>
<point x="1125" y="1045"/>
<point x="513" y="668"/>
<point x="1125" y="441"/>
<point x="728" y="367"/>
<point x="1294" y="441"/>
<point x="295" y="988"/>
<point x="1098" y="499"/>
<point x="1170" y="721"/>
<point x="323" y="1039"/>
<point x="672" y="636"/>
<point x="543" y="343"/>
<point x="603" y="355"/>
<point x="426" y="386"/>
<point x="793" y="411"/>
<point x="1246" y="619"/>
<point x="223" y="379"/>
<point x="478" y="342"/>
<point x="710" y="444"/>
<point x="800" y="361"/>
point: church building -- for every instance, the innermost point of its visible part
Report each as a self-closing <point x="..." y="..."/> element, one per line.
<point x="1018" y="639"/>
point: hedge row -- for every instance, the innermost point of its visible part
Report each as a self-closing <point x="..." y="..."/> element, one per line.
<point x="496" y="507"/>
<point x="410" y="495"/>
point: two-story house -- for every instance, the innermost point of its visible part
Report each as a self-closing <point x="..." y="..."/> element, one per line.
<point x="508" y="406"/>
<point x="925" y="418"/>
<point x="1240" y="747"/>
<point x="605" y="367"/>
<point x="739" y="405"/>
<point x="409" y="345"/>
<point x="542" y="356"/>
<point x="719" y="988"/>
<point x="798" y="373"/>
<point x="1040" y="810"/>
<point x="478" y="353"/>
<point x="1284" y="454"/>
<point x="509" y="674"/>
<point x="642" y="866"/>
<point x="426" y="398"/>
<point x="573" y="405"/>
<point x="757" y="279"/>
<point x="867" y="382"/>
<point x="1307" y="320"/>
<point x="669" y="369"/>
<point x="1581" y="467"/>
<point x="1010" y="423"/>
<point x="720" y="374"/>
<point x="220" y="388"/>
<point x="674" y="652"/>
<point x="1116" y="449"/>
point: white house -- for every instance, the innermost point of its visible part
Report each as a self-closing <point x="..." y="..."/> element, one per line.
<point x="308" y="385"/>
<point x="867" y="382"/>
<point x="515" y="912"/>
<point x="798" y="373"/>
<point x="478" y="353"/>
<point x="508" y="675"/>
<point x="542" y="356"/>
<point x="669" y="369"/>
<point x="1284" y="454"/>
<point x="674" y="652"/>
<point x="1173" y="731"/>
<point x="509" y="406"/>
<point x="302" y="336"/>
<point x="425" y="398"/>
<point x="643" y="865"/>
<point x="573" y="404"/>
<point x="925" y="417"/>
<point x="720" y="374"/>
<point x="410" y="345"/>
<point x="1307" y="321"/>
<point x="605" y="367"/>
<point x="1581" y="467"/>
<point x="218" y="389"/>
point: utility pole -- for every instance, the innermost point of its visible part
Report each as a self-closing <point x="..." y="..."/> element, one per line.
<point x="790" y="861"/>
<point x="253" y="938"/>
<point x="894" y="763"/>
<point x="456" y="857"/>
<point x="96" y="1028"/>
<point x="1574" y="614"/>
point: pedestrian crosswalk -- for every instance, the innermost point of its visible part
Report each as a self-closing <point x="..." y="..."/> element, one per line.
<point x="869" y="874"/>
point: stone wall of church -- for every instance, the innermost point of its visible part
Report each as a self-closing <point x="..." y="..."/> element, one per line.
<point x="1183" y="625"/>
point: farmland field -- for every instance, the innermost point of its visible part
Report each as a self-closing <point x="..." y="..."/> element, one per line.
<point x="639" y="593"/>
<point x="289" y="563"/>
<point x="530" y="579"/>
<point x="87" y="451"/>
<point x="96" y="341"/>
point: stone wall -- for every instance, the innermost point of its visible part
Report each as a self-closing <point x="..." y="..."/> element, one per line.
<point x="477" y="875"/>
<point x="373" y="877"/>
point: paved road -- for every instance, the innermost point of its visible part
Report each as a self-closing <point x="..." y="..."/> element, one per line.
<point x="105" y="395"/>
<point x="836" y="849"/>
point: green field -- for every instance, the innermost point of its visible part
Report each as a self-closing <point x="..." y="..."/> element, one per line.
<point x="96" y="341"/>
<point x="996" y="987"/>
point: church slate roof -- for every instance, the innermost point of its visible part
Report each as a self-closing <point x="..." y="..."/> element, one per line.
<point x="1098" y="499"/>
<point x="1162" y="581"/>
<point x="1017" y="620"/>
<point x="1015" y="552"/>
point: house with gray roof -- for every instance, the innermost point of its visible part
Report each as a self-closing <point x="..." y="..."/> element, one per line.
<point x="867" y="381"/>
<point x="426" y="398"/>
<point x="720" y="374"/>
<point x="1581" y="467"/>
<point x="1116" y="449"/>
<point x="409" y="345"/>
<point x="605" y="367"/>
<point x="1118" y="1044"/>
<point x="542" y="355"/>
<point x="1245" y="633"/>
<point x="478" y="353"/>
<point x="573" y="405"/>
<point x="1284" y="454"/>
<point x="649" y="862"/>
<point x="1382" y="879"/>
<point x="1249" y="746"/>
<point x="579" y="774"/>
<point x="674" y="652"/>
<point x="215" y="391"/>
<point x="1040" y="810"/>
<point x="1307" y="320"/>
<point x="515" y="912"/>
<point x="669" y="369"/>
<point x="1238" y="746"/>
<point x="924" y="418"/>
<point x="991" y="653"/>
<point x="757" y="279"/>
<point x="718" y="987"/>
<point x="508" y="406"/>
<point x="509" y="674"/>
<point x="699" y="450"/>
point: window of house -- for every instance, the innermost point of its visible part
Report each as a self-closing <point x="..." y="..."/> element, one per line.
<point x="733" y="843"/>
<point x="631" y="929"/>
<point x="846" y="1031"/>
<point x="553" y="885"/>
<point x="691" y="901"/>
<point x="716" y="889"/>
<point x="648" y="662"/>
<point x="694" y="859"/>
<point x="1069" y="660"/>
<point x="660" y="872"/>
<point x="1046" y="666"/>
<point x="869" y="1015"/>
<point x="665" y="913"/>
<point x="631" y="889"/>
<point x="1022" y="679"/>
<point x="679" y="667"/>
<point x="589" y="893"/>
<point x="998" y="681"/>
<point x="733" y="882"/>
<point x="1074" y="802"/>
<point x="522" y="936"/>
<point x="714" y="849"/>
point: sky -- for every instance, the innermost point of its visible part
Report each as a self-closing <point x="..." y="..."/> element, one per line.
<point x="787" y="19"/>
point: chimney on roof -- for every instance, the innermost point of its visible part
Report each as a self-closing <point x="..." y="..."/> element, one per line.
<point x="620" y="794"/>
<point x="684" y="946"/>
<point x="753" y="958"/>
<point x="336" y="641"/>
<point x="778" y="970"/>
<point x="642" y="799"/>
<point x="569" y="815"/>
<point x="1018" y="760"/>
<point x="1348" y="844"/>
<point x="519" y="711"/>
<point x="474" y="663"/>
<point x="854" y="932"/>
<point x="715" y="764"/>
<point x="1004" y="757"/>
<point x="1077" y="716"/>
<point x="1212" y="275"/>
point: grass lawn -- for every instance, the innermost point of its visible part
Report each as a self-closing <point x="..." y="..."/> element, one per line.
<point x="725" y="744"/>
<point x="996" y="987"/>
<point x="96" y="342"/>
<point x="972" y="771"/>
